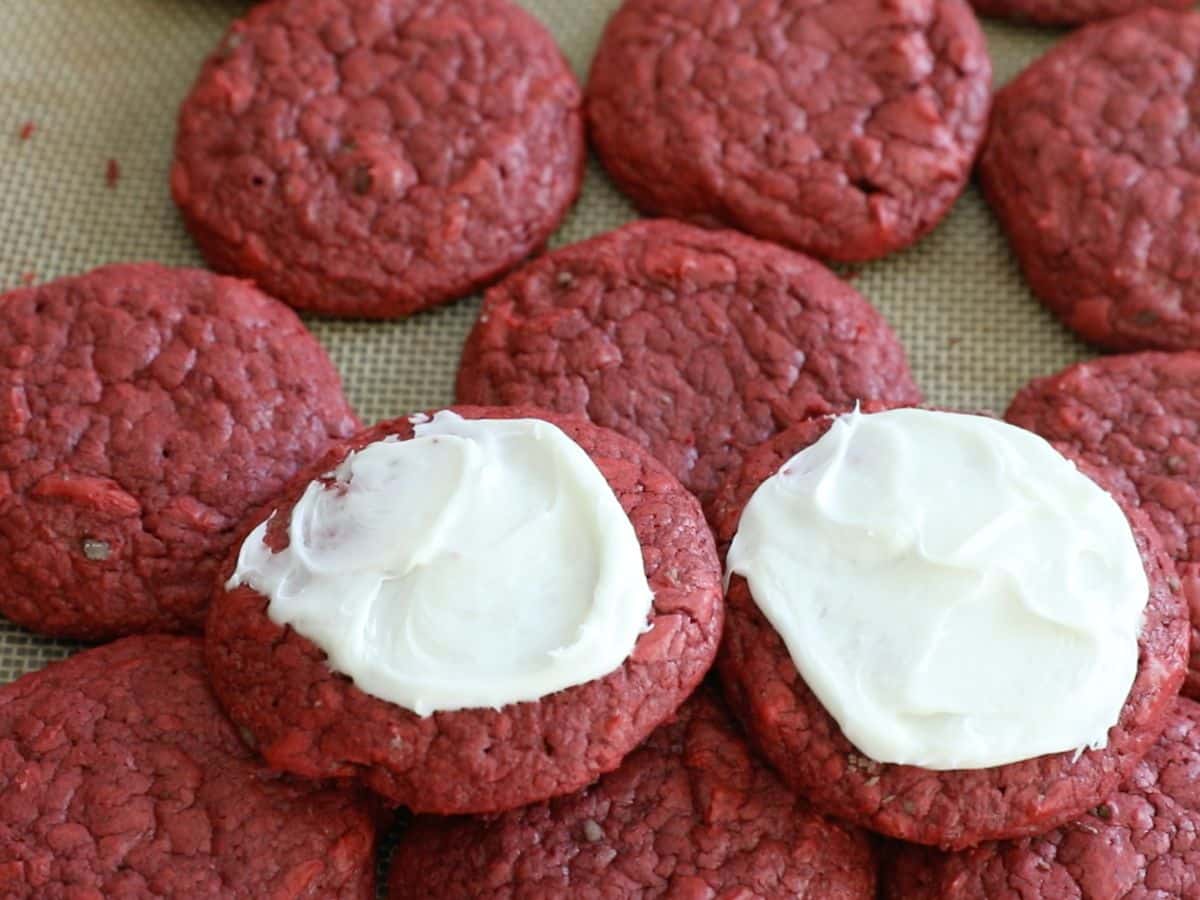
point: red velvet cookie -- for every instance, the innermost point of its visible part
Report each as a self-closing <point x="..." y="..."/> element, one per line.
<point x="1140" y="416"/>
<point x="1142" y="842"/>
<point x="691" y="813"/>
<point x="143" y="412"/>
<point x="952" y="808"/>
<point x="376" y="157"/>
<point x="696" y="344"/>
<point x="843" y="128"/>
<point x="1067" y="12"/>
<point x="310" y="720"/>
<point x="1093" y="168"/>
<point x="120" y="777"/>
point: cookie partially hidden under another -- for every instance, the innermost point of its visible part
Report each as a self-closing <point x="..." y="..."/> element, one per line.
<point x="691" y="813"/>
<point x="696" y="344"/>
<point x="1140" y="842"/>
<point x="120" y="777"/>
<point x="143" y="412"/>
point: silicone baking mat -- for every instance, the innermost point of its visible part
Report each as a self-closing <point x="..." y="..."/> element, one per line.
<point x="88" y="96"/>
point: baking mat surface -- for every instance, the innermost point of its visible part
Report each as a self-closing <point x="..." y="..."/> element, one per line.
<point x="89" y="91"/>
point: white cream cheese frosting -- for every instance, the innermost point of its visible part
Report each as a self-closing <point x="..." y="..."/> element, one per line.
<point x="480" y="563"/>
<point x="952" y="589"/>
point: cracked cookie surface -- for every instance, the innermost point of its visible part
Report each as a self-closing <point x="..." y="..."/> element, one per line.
<point x="691" y="813"/>
<point x="696" y="344"/>
<point x="1093" y="168"/>
<point x="143" y="412"/>
<point x="376" y="157"/>
<point x="1140" y="843"/>
<point x="310" y="720"/>
<point x="953" y="808"/>
<point x="121" y="778"/>
<point x="843" y="128"/>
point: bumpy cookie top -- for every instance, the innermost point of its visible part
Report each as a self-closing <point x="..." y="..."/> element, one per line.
<point x="120" y="777"/>
<point x="692" y="813"/>
<point x="374" y="157"/>
<point x="696" y="344"/>
<point x="1139" y="843"/>
<point x="1093" y="166"/>
<point x="844" y="129"/>
<point x="143" y="412"/>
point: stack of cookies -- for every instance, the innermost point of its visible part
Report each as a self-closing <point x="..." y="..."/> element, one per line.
<point x="686" y="595"/>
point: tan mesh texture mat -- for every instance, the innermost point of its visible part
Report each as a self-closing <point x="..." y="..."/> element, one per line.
<point x="101" y="81"/>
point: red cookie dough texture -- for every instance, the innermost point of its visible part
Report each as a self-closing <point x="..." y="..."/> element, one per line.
<point x="1138" y="415"/>
<point x="1093" y="168"/>
<point x="312" y="721"/>
<point x="957" y="808"/>
<point x="1068" y="12"/>
<point x="120" y="778"/>
<point x="844" y="128"/>
<point x="696" y="344"/>
<point x="143" y="412"/>
<point x="376" y="157"/>
<point x="1142" y="843"/>
<point x="690" y="814"/>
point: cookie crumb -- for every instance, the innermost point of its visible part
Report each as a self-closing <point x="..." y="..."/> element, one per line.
<point x="361" y="180"/>
<point x="27" y="130"/>
<point x="96" y="551"/>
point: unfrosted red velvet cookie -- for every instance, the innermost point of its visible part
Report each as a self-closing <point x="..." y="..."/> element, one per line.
<point x="143" y="412"/>
<point x="696" y="344"/>
<point x="843" y="128"/>
<point x="308" y="719"/>
<point x="120" y="777"/>
<point x="950" y="808"/>
<point x="376" y="157"/>
<point x="691" y="813"/>
<point x="1067" y="12"/>
<point x="1141" y="842"/>
<point x="1093" y="167"/>
<point x="1140" y="416"/>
